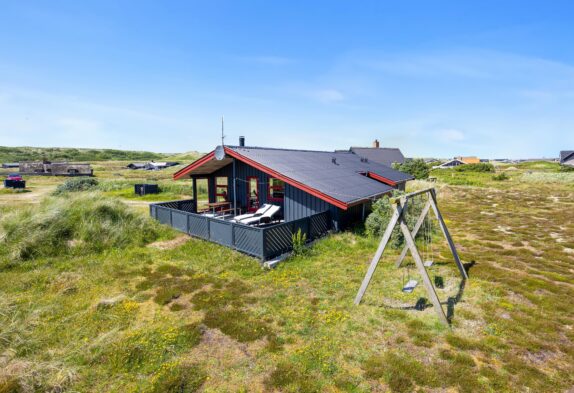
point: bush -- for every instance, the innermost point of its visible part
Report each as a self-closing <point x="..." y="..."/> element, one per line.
<point x="417" y="167"/>
<point x="74" y="224"/>
<point x="378" y="220"/>
<point x="566" y="168"/>
<point x="77" y="184"/>
<point x="501" y="177"/>
<point x="299" y="239"/>
<point x="480" y="167"/>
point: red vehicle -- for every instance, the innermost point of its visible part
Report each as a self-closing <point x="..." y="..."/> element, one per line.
<point x="14" y="176"/>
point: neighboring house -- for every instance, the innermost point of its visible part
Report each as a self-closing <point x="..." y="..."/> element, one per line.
<point x="450" y="164"/>
<point x="55" y="168"/>
<point x="458" y="161"/>
<point x="137" y="165"/>
<point x="316" y="191"/>
<point x="156" y="166"/>
<point x="468" y="160"/>
<point x="10" y="165"/>
<point x="152" y="165"/>
<point x="567" y="157"/>
<point x="381" y="155"/>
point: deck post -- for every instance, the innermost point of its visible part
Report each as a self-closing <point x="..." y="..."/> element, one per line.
<point x="234" y="190"/>
<point x="194" y="186"/>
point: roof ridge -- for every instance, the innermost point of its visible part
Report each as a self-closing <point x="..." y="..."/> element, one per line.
<point x="284" y="149"/>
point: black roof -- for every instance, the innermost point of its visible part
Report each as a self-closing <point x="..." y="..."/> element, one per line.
<point x="566" y="155"/>
<point x="340" y="175"/>
<point x="382" y="155"/>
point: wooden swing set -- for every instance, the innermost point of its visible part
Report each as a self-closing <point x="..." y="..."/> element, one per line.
<point x="399" y="211"/>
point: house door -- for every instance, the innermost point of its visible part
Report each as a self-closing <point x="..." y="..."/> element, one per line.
<point x="252" y="194"/>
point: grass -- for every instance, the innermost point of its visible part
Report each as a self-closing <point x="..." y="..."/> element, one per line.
<point x="124" y="316"/>
<point x="17" y="154"/>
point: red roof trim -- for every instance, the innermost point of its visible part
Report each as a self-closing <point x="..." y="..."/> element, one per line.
<point x="196" y="164"/>
<point x="288" y="180"/>
<point x="381" y="179"/>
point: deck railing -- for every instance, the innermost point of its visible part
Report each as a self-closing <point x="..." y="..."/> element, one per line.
<point x="264" y="242"/>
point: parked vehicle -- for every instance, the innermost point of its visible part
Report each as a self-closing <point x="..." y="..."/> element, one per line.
<point x="14" y="176"/>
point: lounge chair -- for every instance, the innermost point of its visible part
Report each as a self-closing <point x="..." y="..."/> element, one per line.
<point x="264" y="218"/>
<point x="258" y="213"/>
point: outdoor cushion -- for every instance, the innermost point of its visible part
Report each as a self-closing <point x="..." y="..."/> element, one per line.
<point x="259" y="212"/>
<point x="274" y="209"/>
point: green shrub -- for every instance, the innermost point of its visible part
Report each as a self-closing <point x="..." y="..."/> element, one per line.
<point x="77" y="184"/>
<point x="378" y="220"/>
<point x="566" y="168"/>
<point x="75" y="224"/>
<point x="417" y="167"/>
<point x="501" y="177"/>
<point x="480" y="167"/>
<point x="299" y="239"/>
<point x="178" y="378"/>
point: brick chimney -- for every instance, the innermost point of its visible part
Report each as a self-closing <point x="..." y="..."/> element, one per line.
<point x="376" y="143"/>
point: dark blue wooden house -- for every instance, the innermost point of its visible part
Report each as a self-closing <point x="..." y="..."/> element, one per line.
<point x="316" y="190"/>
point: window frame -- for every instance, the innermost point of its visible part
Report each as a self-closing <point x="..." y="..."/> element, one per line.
<point x="221" y="190"/>
<point x="271" y="187"/>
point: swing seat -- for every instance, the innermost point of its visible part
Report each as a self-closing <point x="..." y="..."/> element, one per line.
<point x="428" y="263"/>
<point x="410" y="286"/>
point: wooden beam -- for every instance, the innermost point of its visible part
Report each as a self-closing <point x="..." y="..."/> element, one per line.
<point x="410" y="195"/>
<point x="447" y="235"/>
<point x="422" y="271"/>
<point x="414" y="232"/>
<point x="374" y="262"/>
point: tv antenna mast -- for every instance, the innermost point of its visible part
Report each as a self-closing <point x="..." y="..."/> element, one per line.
<point x="222" y="134"/>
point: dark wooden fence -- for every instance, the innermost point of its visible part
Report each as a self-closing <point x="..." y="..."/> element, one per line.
<point x="262" y="242"/>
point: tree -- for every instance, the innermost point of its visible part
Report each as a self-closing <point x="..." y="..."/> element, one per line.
<point x="417" y="167"/>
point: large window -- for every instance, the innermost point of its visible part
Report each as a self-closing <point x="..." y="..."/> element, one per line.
<point x="221" y="189"/>
<point x="276" y="191"/>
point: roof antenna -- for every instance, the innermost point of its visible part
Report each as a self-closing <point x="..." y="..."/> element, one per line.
<point x="222" y="135"/>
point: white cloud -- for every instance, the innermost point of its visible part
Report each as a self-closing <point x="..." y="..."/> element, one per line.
<point x="451" y="135"/>
<point x="327" y="95"/>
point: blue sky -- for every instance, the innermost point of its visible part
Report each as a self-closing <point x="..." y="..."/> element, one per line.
<point x="435" y="78"/>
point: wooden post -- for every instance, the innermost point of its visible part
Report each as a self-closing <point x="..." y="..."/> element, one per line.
<point x="373" y="266"/>
<point x="422" y="271"/>
<point x="418" y="225"/>
<point x="194" y="186"/>
<point x="447" y="234"/>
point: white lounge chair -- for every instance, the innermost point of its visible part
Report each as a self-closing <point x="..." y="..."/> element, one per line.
<point x="258" y="213"/>
<point x="264" y="218"/>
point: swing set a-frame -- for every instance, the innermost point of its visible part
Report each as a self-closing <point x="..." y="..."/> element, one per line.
<point x="400" y="205"/>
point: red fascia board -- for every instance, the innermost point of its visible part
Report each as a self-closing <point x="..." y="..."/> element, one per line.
<point x="381" y="179"/>
<point x="194" y="165"/>
<point x="294" y="183"/>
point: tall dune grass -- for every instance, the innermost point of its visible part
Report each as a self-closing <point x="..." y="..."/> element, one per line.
<point x="74" y="223"/>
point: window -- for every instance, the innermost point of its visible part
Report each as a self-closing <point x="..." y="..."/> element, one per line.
<point x="221" y="189"/>
<point x="276" y="191"/>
